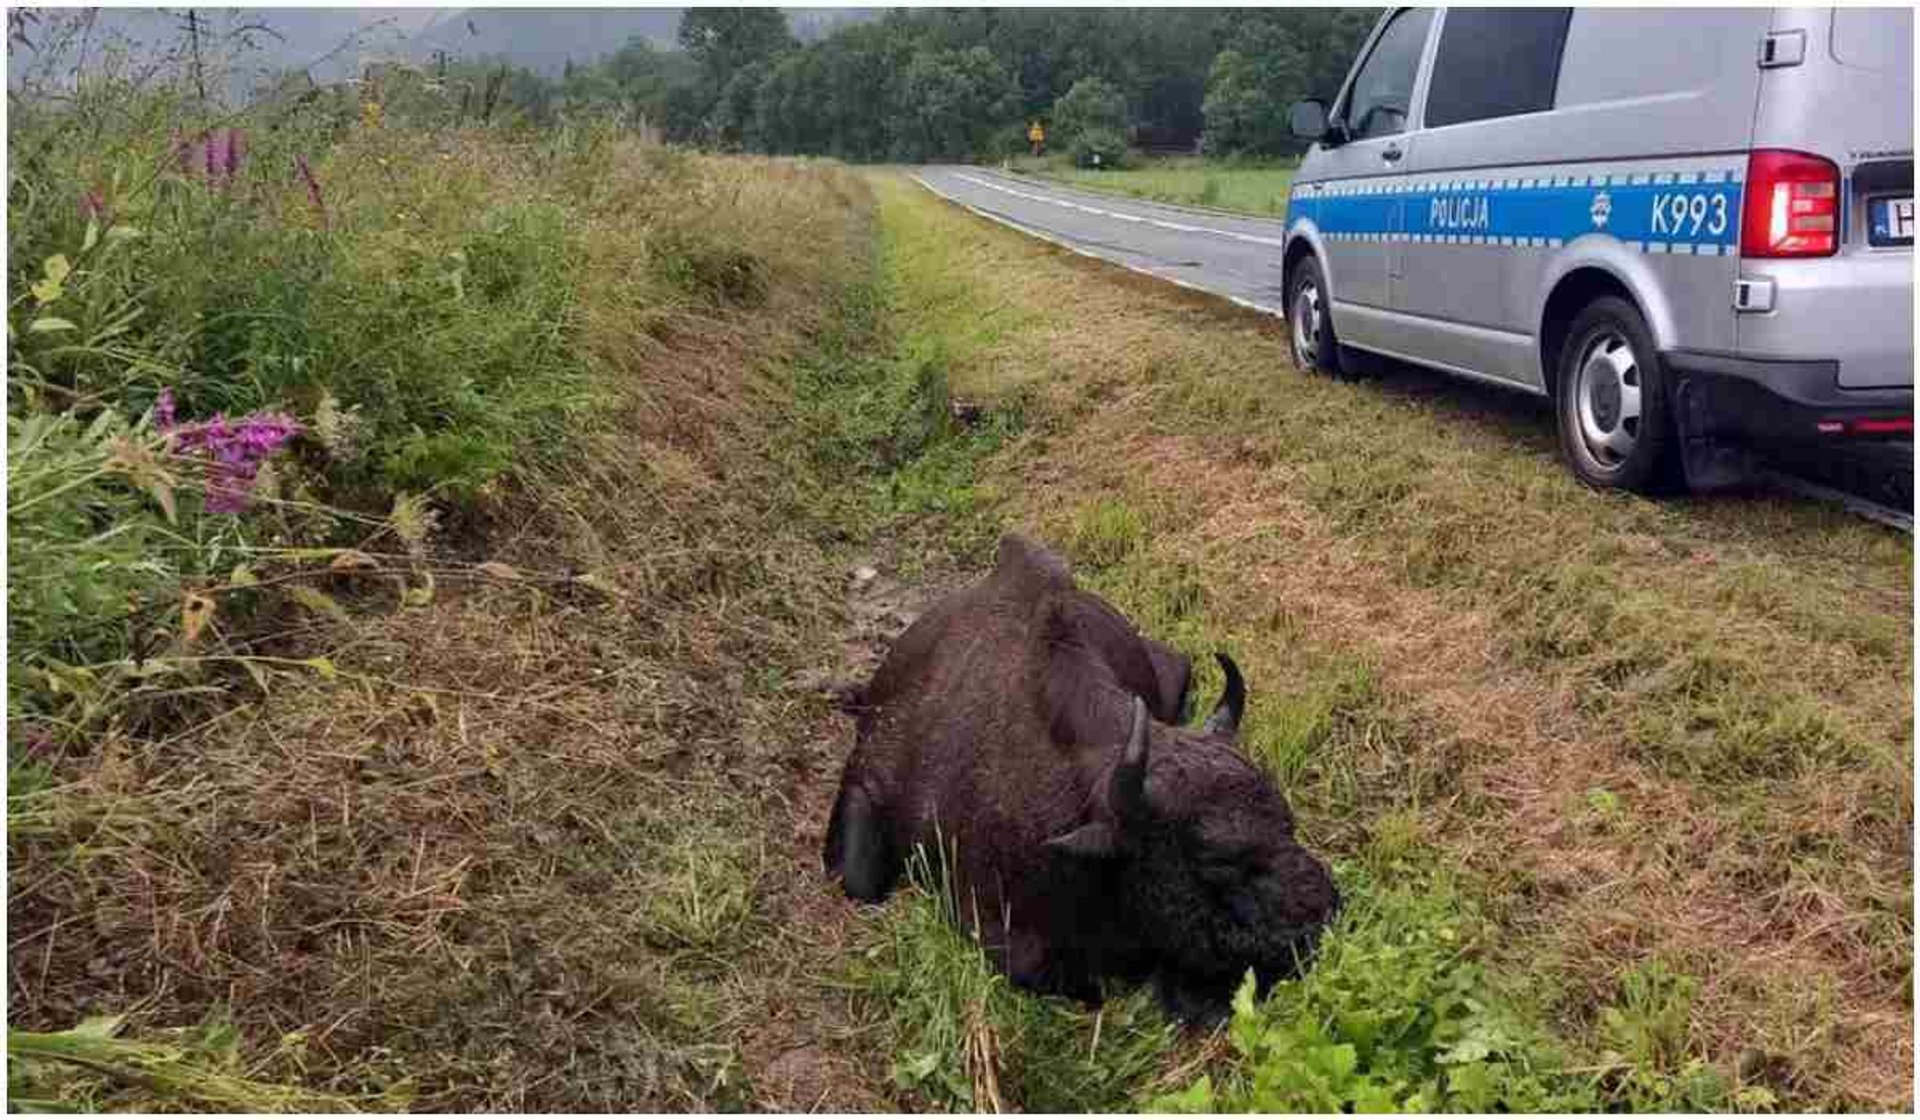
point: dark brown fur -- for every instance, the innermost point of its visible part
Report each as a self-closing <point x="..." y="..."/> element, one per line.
<point x="999" y="724"/>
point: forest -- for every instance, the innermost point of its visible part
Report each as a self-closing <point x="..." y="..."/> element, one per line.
<point x="942" y="84"/>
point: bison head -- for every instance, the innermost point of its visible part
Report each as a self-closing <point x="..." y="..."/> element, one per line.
<point x="1200" y="846"/>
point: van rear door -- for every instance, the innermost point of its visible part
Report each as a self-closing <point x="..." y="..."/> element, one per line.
<point x="1840" y="85"/>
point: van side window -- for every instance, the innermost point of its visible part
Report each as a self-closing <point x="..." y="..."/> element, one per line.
<point x="1496" y="62"/>
<point x="1382" y="93"/>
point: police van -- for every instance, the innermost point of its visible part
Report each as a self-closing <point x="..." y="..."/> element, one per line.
<point x="1691" y="229"/>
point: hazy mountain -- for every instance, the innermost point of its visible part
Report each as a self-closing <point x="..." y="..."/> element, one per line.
<point x="333" y="42"/>
<point x="241" y="42"/>
<point x="543" y="39"/>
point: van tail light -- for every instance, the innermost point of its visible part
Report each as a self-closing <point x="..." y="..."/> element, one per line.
<point x="1895" y="426"/>
<point x="1792" y="206"/>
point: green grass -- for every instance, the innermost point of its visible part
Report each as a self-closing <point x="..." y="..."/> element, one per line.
<point x="875" y="446"/>
<point x="533" y="852"/>
<point x="1398" y="1011"/>
<point x="538" y="351"/>
<point x="420" y="322"/>
<point x="90" y="1068"/>
<point x="1734" y="664"/>
<point x="1186" y="180"/>
<point x="950" y="1023"/>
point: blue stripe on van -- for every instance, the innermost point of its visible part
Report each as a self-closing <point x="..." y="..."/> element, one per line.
<point x="1670" y="216"/>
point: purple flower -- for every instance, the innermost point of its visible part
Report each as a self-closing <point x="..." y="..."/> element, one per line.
<point x="233" y="449"/>
<point x="39" y="744"/>
<point x="214" y="156"/>
<point x="93" y="206"/>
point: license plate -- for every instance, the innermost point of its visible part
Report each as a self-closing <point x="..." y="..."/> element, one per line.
<point x="1890" y="221"/>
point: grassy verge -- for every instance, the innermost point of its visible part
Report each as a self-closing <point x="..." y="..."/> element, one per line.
<point x="1251" y="188"/>
<point x="469" y="765"/>
<point x="453" y="770"/>
<point x="1680" y="804"/>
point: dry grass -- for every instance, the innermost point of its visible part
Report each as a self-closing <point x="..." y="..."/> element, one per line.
<point x="549" y="843"/>
<point x="1732" y="675"/>
<point x="530" y="846"/>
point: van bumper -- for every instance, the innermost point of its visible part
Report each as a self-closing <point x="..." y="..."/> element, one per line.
<point x="1727" y="406"/>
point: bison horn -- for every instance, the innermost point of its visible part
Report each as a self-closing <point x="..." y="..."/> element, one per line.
<point x="1130" y="776"/>
<point x="1225" y="719"/>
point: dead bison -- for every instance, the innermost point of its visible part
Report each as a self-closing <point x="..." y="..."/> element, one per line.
<point x="1027" y="726"/>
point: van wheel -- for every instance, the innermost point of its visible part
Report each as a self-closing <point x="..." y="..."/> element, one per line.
<point x="1310" y="323"/>
<point x="1611" y="398"/>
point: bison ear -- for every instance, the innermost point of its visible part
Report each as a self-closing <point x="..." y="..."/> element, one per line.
<point x="1174" y="672"/>
<point x="1126" y="798"/>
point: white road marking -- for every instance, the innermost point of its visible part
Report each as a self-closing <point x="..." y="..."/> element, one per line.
<point x="1179" y="227"/>
<point x="1071" y="247"/>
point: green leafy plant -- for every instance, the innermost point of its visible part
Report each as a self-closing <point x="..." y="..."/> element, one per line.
<point x="1395" y="1015"/>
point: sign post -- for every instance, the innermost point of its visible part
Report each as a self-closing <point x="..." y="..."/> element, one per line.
<point x="1036" y="136"/>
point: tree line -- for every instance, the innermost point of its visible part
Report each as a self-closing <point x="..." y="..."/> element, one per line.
<point x="952" y="84"/>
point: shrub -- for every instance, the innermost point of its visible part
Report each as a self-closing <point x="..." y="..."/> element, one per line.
<point x="1092" y="105"/>
<point x="1098" y="148"/>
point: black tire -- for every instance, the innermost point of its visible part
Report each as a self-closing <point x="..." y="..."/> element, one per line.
<point x="1314" y="346"/>
<point x="1611" y="402"/>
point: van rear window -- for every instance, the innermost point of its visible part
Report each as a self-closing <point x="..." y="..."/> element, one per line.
<point x="1496" y="62"/>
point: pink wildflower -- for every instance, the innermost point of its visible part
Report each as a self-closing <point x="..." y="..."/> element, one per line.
<point x="233" y="450"/>
<point x="214" y="156"/>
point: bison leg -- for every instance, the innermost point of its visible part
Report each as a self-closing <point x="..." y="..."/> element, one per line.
<point x="1032" y="965"/>
<point x="1203" y="1003"/>
<point x="858" y="847"/>
<point x="1026" y="961"/>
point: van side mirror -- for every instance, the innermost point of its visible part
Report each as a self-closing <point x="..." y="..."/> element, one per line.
<point x="1308" y="119"/>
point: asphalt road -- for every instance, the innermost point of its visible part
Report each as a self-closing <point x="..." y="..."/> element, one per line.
<point x="1226" y="254"/>
<point x="1238" y="257"/>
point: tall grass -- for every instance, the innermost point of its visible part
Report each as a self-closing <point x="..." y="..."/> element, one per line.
<point x="474" y="335"/>
<point x="961" y="1037"/>
<point x="403" y="294"/>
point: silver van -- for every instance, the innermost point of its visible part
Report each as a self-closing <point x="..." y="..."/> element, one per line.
<point x="1691" y="228"/>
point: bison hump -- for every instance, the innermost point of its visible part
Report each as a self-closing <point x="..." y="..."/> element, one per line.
<point x="1026" y="569"/>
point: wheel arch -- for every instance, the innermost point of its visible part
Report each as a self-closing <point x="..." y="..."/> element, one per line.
<point x="1589" y="269"/>
<point x="1302" y="242"/>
